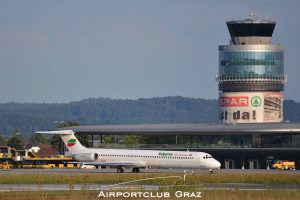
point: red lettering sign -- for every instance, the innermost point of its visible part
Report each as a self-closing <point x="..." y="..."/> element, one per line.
<point x="237" y="101"/>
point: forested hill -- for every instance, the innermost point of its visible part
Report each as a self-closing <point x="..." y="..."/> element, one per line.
<point x="29" y="117"/>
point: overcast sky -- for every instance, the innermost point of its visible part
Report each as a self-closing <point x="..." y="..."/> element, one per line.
<point x="61" y="51"/>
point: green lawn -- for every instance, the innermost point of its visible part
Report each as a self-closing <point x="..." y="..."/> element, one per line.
<point x="113" y="178"/>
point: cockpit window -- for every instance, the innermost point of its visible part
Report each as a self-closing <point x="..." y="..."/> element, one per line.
<point x="207" y="157"/>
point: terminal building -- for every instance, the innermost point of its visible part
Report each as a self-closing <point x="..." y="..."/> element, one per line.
<point x="252" y="132"/>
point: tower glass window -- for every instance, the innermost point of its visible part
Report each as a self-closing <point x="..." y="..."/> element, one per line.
<point x="251" y="62"/>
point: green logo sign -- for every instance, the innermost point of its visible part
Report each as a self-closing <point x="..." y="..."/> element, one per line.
<point x="256" y="101"/>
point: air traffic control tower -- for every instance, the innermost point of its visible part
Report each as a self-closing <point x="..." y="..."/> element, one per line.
<point x="251" y="74"/>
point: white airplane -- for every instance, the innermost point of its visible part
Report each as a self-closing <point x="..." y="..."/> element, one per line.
<point x="136" y="159"/>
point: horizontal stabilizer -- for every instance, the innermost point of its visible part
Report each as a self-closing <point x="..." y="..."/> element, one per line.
<point x="62" y="132"/>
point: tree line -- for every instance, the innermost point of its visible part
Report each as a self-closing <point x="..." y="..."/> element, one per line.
<point x="31" y="117"/>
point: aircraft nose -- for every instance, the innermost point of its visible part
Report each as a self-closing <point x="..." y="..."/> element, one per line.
<point x="217" y="164"/>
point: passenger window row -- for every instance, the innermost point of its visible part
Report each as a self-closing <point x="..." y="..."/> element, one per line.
<point x="140" y="156"/>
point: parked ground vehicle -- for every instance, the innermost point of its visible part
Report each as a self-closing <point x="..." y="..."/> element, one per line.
<point x="5" y="165"/>
<point x="12" y="158"/>
<point x="284" y="164"/>
<point x="85" y="166"/>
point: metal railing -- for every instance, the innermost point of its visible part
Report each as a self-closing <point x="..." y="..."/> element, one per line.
<point x="257" y="78"/>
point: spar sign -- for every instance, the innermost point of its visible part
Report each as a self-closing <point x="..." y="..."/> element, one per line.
<point x="241" y="107"/>
<point x="250" y="107"/>
<point x="256" y="101"/>
<point x="233" y="101"/>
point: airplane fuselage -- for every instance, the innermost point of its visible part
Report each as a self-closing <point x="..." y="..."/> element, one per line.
<point x="136" y="159"/>
<point x="149" y="158"/>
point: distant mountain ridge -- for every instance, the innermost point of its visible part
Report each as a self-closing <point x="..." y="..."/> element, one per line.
<point x="29" y="117"/>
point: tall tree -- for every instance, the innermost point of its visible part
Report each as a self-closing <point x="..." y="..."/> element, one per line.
<point x="16" y="142"/>
<point x="57" y="143"/>
<point x="37" y="139"/>
<point x="67" y="124"/>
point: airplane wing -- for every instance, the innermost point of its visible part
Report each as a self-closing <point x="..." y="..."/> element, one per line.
<point x="116" y="164"/>
<point x="121" y="164"/>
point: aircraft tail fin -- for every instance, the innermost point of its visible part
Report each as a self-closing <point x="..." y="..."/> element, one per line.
<point x="68" y="137"/>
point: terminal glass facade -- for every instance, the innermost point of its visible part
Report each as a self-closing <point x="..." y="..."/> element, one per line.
<point x="197" y="141"/>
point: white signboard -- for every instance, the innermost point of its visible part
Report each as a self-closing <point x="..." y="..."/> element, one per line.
<point x="250" y="107"/>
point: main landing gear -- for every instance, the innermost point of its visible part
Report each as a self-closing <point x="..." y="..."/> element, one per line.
<point x="120" y="170"/>
<point x="135" y="170"/>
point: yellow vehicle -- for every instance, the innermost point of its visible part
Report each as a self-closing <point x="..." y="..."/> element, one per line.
<point x="40" y="166"/>
<point x="68" y="165"/>
<point x="284" y="164"/>
<point x="5" y="165"/>
<point x="51" y="165"/>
